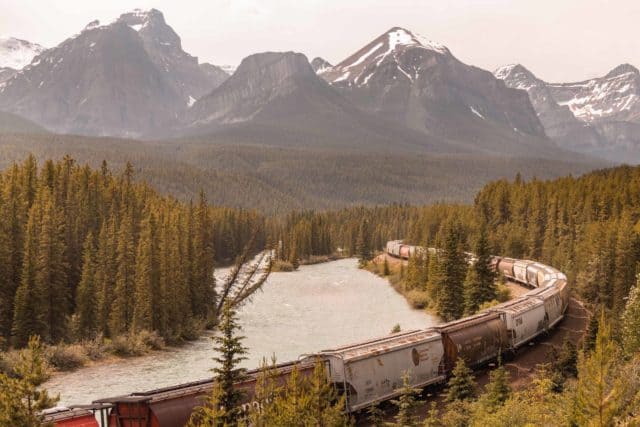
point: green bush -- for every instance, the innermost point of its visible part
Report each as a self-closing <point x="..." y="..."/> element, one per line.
<point x="418" y="299"/>
<point x="67" y="357"/>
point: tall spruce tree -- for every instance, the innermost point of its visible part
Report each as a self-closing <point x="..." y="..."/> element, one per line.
<point x="122" y="308"/>
<point x="86" y="294"/>
<point x="230" y="353"/>
<point x="51" y="286"/>
<point x="480" y="285"/>
<point x="631" y="322"/>
<point x="452" y="272"/>
<point x="363" y="243"/>
<point x="144" y="278"/>
<point x="27" y="305"/>
<point x="600" y="387"/>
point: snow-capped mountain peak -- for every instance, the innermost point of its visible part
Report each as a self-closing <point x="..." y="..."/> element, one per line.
<point x="16" y="53"/>
<point x="400" y="36"/>
<point x="392" y="47"/>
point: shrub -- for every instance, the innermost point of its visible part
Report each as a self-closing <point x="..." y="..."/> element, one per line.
<point x="503" y="293"/>
<point x="418" y="299"/>
<point x="151" y="340"/>
<point x="281" y="265"/>
<point x="96" y="348"/>
<point x="67" y="357"/>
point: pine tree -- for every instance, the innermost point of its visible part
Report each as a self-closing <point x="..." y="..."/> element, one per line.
<point x="325" y="408"/>
<point x="105" y="265"/>
<point x="86" y="293"/>
<point x="51" y="286"/>
<point x="203" y="297"/>
<point x="406" y="403"/>
<point x="294" y="258"/>
<point x="27" y="305"/>
<point x="452" y="272"/>
<point x="433" y="417"/>
<point x="625" y="261"/>
<point x="375" y="416"/>
<point x="363" y="248"/>
<point x="231" y="353"/>
<point x="480" y="284"/>
<point x="21" y="400"/>
<point x="122" y="308"/>
<point x="462" y="385"/>
<point x="631" y="322"/>
<point x="498" y="389"/>
<point x="144" y="279"/>
<point x="600" y="386"/>
<point x="592" y="331"/>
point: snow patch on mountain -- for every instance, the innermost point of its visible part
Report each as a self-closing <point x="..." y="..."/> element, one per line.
<point x="16" y="53"/>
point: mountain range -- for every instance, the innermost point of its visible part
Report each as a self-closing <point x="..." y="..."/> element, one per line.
<point x="600" y="116"/>
<point x="401" y="119"/>
<point x="131" y="78"/>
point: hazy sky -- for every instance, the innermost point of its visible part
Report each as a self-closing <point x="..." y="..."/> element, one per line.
<point x="559" y="40"/>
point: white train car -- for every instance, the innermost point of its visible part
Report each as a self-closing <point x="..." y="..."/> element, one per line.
<point x="524" y="317"/>
<point x="520" y="270"/>
<point x="372" y="371"/>
<point x="551" y="297"/>
<point x="393" y="247"/>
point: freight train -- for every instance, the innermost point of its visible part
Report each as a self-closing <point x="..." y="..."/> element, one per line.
<point x="370" y="372"/>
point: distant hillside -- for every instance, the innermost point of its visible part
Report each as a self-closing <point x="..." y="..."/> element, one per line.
<point x="278" y="179"/>
<point x="12" y="123"/>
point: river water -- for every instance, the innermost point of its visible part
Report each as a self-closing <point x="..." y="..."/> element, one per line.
<point x="317" y="307"/>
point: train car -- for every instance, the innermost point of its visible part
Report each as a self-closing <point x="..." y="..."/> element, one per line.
<point x="404" y="251"/>
<point x="525" y="318"/>
<point x="172" y="406"/>
<point x="552" y="300"/>
<point x="563" y="288"/>
<point x="505" y="267"/>
<point x="520" y="270"/>
<point x="495" y="260"/>
<point x="477" y="339"/>
<point x="69" y="417"/>
<point x="535" y="275"/>
<point x="372" y="371"/>
<point x="393" y="247"/>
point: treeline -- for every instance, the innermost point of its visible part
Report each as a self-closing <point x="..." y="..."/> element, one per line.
<point x="587" y="227"/>
<point x="351" y="231"/>
<point x="85" y="252"/>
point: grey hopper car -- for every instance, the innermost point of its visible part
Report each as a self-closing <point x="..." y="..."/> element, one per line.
<point x="552" y="299"/>
<point x="525" y="318"/>
<point x="372" y="371"/>
<point x="520" y="270"/>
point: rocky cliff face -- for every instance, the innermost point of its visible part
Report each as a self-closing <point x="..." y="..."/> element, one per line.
<point x="126" y="78"/>
<point x="599" y="116"/>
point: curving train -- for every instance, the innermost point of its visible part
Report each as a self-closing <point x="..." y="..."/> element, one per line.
<point x="370" y="372"/>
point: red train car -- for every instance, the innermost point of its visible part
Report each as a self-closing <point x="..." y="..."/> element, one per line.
<point x="66" y="417"/>
<point x="172" y="406"/>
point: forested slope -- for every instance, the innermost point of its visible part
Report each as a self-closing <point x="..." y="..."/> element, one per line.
<point x="278" y="180"/>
